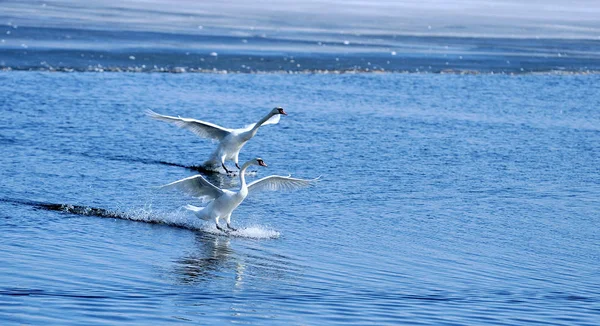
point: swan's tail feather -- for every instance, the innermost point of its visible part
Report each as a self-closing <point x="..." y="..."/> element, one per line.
<point x="193" y="208"/>
<point x="197" y="211"/>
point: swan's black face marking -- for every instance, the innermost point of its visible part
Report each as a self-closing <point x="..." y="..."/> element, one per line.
<point x="280" y="109"/>
<point x="261" y="162"/>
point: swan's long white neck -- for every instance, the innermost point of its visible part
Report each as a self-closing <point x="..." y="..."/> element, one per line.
<point x="260" y="122"/>
<point x="243" y="174"/>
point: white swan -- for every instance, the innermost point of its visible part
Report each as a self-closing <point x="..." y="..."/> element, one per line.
<point x="230" y="141"/>
<point x="222" y="201"/>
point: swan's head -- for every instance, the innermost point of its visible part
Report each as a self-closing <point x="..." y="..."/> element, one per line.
<point x="278" y="110"/>
<point x="259" y="161"/>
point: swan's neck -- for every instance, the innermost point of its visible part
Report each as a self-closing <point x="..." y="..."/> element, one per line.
<point x="260" y="122"/>
<point x="243" y="174"/>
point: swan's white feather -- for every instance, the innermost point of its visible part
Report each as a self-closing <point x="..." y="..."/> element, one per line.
<point x="201" y="128"/>
<point x="196" y="186"/>
<point x="226" y="201"/>
<point x="278" y="183"/>
<point x="230" y="141"/>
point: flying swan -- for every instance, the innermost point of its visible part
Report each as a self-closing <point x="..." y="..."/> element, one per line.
<point x="223" y="202"/>
<point x="230" y="141"/>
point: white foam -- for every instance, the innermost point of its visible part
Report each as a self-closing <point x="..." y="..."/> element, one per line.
<point x="252" y="232"/>
<point x="179" y="218"/>
<point x="183" y="219"/>
<point x="256" y="232"/>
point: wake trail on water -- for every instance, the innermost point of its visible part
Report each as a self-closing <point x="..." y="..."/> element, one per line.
<point x="197" y="168"/>
<point x="123" y="158"/>
<point x="178" y="219"/>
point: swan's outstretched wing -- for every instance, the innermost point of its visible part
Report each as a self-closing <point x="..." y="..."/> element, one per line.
<point x="201" y="128"/>
<point x="278" y="182"/>
<point x="196" y="186"/>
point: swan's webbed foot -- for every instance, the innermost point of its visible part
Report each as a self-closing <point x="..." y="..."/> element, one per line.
<point x="220" y="228"/>
<point x="231" y="228"/>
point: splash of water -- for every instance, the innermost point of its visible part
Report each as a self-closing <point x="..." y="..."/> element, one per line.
<point x="179" y="218"/>
<point x="253" y="232"/>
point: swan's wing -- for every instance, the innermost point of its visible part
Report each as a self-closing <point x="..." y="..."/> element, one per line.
<point x="196" y="186"/>
<point x="278" y="182"/>
<point x="201" y="128"/>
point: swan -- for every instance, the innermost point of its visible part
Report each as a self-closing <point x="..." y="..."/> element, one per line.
<point x="223" y="202"/>
<point x="230" y="141"/>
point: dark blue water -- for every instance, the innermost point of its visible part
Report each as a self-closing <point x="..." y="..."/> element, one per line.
<point x="444" y="199"/>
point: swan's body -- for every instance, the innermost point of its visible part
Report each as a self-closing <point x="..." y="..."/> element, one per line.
<point x="222" y="201"/>
<point x="230" y="141"/>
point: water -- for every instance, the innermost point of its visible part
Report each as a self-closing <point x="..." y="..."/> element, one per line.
<point x="466" y="36"/>
<point x="444" y="198"/>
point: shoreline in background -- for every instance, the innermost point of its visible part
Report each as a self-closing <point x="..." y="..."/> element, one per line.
<point x="182" y="70"/>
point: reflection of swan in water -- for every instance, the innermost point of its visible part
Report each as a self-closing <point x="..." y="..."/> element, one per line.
<point x="205" y="264"/>
<point x="214" y="258"/>
<point x="230" y="141"/>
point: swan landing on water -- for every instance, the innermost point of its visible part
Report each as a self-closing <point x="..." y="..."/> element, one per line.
<point x="230" y="141"/>
<point x="222" y="201"/>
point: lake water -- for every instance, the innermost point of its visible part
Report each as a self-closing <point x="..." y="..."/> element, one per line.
<point x="444" y="198"/>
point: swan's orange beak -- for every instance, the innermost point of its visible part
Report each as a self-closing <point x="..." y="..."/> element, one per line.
<point x="262" y="163"/>
<point x="281" y="111"/>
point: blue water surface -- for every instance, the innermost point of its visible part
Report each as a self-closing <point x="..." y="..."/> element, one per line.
<point x="444" y="199"/>
<point x="458" y="145"/>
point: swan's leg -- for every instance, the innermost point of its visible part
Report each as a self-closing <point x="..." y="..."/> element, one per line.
<point x="228" y="220"/>
<point x="218" y="226"/>
<point x="222" y="157"/>
<point x="225" y="168"/>
<point x="235" y="159"/>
